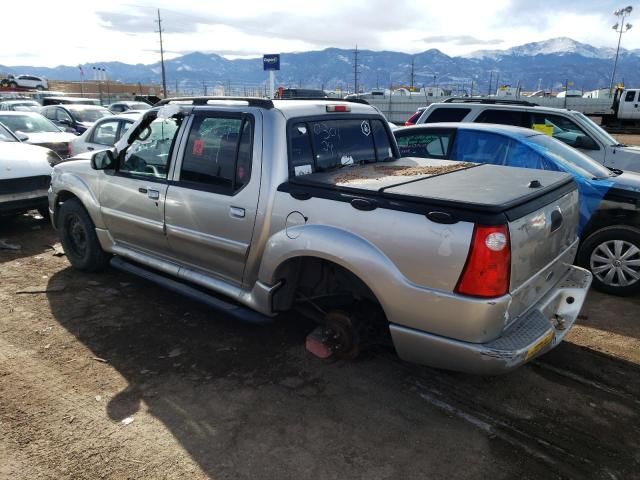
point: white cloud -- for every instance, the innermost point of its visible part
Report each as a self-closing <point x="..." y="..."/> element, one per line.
<point x="72" y="31"/>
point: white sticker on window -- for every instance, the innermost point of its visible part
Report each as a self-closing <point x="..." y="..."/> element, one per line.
<point x="168" y="111"/>
<point x="346" y="160"/>
<point x="302" y="170"/>
<point x="365" y="127"/>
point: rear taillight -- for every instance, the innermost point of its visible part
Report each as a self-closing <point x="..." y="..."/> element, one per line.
<point x="486" y="273"/>
<point x="69" y="149"/>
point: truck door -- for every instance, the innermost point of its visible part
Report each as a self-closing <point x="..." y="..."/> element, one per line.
<point x="212" y="201"/>
<point x="132" y="200"/>
<point x="629" y="106"/>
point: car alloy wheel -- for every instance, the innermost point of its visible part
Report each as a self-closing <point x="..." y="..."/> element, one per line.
<point x="616" y="263"/>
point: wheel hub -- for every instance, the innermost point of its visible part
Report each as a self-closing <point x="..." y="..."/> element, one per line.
<point x="616" y="263"/>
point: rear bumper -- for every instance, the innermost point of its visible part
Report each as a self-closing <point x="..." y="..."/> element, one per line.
<point x="535" y="332"/>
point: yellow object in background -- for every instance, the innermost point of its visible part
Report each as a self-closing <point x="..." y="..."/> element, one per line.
<point x="542" y="128"/>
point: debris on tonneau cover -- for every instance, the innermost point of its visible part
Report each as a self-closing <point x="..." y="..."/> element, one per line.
<point x="369" y="174"/>
<point x="410" y="171"/>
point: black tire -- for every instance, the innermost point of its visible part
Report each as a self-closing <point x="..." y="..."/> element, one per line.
<point x="13" y="85"/>
<point x="622" y="266"/>
<point x="78" y="238"/>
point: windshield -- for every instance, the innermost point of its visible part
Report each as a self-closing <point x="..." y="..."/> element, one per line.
<point x="33" y="123"/>
<point x="89" y="115"/>
<point x="608" y="139"/>
<point x="6" y="135"/>
<point x="570" y="158"/>
<point x="320" y="146"/>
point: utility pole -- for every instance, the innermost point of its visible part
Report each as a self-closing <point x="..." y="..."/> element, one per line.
<point x="164" y="78"/>
<point x="355" y="71"/>
<point x="490" y="82"/>
<point x="204" y="88"/>
<point x="621" y="14"/>
<point x="413" y="72"/>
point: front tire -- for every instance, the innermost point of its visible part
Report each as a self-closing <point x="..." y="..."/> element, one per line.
<point x="612" y="254"/>
<point x="79" y="239"/>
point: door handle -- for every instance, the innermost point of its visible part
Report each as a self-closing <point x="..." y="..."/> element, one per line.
<point x="90" y="149"/>
<point x="236" y="212"/>
<point x="142" y="190"/>
<point x="153" y="194"/>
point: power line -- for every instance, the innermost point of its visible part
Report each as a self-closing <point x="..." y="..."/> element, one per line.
<point x="164" y="78"/>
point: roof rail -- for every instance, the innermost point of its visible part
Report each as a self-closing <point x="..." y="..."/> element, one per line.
<point x="490" y="101"/>
<point x="252" y="101"/>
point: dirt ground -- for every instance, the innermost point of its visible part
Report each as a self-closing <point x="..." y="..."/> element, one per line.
<point x="107" y="376"/>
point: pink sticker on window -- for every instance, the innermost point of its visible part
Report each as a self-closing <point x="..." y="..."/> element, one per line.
<point x="198" y="147"/>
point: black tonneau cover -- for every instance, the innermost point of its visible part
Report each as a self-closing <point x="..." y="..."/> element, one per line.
<point x="487" y="194"/>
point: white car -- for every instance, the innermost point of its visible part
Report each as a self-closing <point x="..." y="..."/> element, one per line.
<point x="28" y="81"/>
<point x="119" y="107"/>
<point x="21" y="105"/>
<point x="104" y="133"/>
<point x="569" y="126"/>
<point x="25" y="175"/>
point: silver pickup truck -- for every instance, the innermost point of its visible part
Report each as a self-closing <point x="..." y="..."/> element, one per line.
<point x="259" y="207"/>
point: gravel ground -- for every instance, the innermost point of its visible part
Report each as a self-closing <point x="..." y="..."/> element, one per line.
<point x="106" y="376"/>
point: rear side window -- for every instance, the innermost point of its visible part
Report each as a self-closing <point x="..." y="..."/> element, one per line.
<point x="447" y="115"/>
<point x="218" y="153"/>
<point x="317" y="146"/>
<point x="424" y="145"/>
<point x="480" y="147"/>
<point x="504" y="117"/>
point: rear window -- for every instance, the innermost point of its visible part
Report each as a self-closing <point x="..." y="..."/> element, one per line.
<point x="504" y="117"/>
<point x="447" y="115"/>
<point x="320" y="146"/>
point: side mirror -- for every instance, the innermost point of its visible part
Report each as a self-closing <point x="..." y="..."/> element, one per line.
<point x="584" y="142"/>
<point x="103" y="160"/>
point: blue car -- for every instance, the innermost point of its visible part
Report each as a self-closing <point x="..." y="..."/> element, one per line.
<point x="609" y="198"/>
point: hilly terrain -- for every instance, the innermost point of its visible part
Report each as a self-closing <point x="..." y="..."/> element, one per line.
<point x="539" y="65"/>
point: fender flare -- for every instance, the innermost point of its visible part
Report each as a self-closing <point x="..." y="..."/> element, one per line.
<point x="70" y="183"/>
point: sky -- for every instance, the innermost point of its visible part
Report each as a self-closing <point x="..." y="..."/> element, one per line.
<point x="71" y="32"/>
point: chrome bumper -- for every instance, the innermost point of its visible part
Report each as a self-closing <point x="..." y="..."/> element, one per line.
<point x="537" y="331"/>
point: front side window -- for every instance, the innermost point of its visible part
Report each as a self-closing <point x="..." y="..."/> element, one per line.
<point x="424" y="144"/>
<point x="148" y="154"/>
<point x="565" y="130"/>
<point x="63" y="116"/>
<point x="218" y="153"/>
<point x="324" y="145"/>
<point x="630" y="96"/>
<point x="105" y="133"/>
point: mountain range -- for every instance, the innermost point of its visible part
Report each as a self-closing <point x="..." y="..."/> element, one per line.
<point x="539" y="65"/>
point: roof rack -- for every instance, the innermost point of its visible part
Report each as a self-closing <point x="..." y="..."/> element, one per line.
<point x="490" y="101"/>
<point x="252" y="101"/>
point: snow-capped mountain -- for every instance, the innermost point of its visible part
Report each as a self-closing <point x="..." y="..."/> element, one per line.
<point x="553" y="46"/>
<point x="547" y="64"/>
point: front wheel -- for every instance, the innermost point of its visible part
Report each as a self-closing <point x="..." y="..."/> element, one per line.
<point x="613" y="256"/>
<point x="78" y="238"/>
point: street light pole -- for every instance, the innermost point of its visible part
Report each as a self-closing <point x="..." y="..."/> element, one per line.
<point x="621" y="14"/>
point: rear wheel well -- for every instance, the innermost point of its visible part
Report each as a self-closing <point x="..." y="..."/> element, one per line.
<point x="317" y="279"/>
<point x="606" y="219"/>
